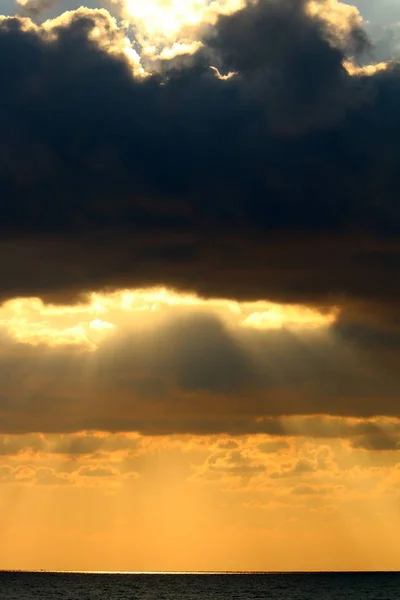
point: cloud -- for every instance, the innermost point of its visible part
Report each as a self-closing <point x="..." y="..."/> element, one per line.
<point x="263" y="185"/>
<point x="164" y="28"/>
<point x="28" y="474"/>
<point x="69" y="447"/>
<point x="200" y="373"/>
<point x="281" y="72"/>
<point x="14" y="445"/>
<point x="379" y="442"/>
<point x="98" y="471"/>
<point x="301" y="467"/>
<point x="273" y="446"/>
<point x="319" y="490"/>
<point x="228" y="444"/>
<point x="278" y="182"/>
<point x="229" y="466"/>
<point x="33" y="8"/>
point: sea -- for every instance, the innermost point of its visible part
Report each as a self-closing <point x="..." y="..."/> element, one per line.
<point x="199" y="586"/>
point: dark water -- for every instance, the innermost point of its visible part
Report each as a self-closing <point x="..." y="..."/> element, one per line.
<point x="321" y="586"/>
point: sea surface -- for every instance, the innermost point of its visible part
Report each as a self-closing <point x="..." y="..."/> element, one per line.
<point x="232" y="586"/>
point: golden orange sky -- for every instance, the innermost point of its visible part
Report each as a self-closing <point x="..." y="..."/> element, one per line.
<point x="312" y="492"/>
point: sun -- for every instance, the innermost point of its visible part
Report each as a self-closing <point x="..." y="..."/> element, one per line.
<point x="167" y="24"/>
<point x="165" y="18"/>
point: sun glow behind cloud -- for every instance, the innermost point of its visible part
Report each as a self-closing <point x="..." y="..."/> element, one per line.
<point x="31" y="321"/>
<point x="148" y="30"/>
<point x="165" y="27"/>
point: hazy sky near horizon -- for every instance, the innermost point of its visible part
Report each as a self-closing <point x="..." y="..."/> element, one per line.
<point x="199" y="285"/>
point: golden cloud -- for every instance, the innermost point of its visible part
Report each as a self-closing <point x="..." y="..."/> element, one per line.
<point x="32" y="321"/>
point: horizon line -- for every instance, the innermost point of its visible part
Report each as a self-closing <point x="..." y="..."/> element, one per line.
<point x="207" y="572"/>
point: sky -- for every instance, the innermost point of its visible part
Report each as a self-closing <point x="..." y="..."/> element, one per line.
<point x="199" y="285"/>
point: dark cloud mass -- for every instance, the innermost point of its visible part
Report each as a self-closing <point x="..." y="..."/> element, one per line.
<point x="280" y="182"/>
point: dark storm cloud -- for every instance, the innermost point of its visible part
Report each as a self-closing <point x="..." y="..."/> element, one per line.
<point x="280" y="182"/>
<point x="278" y="49"/>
